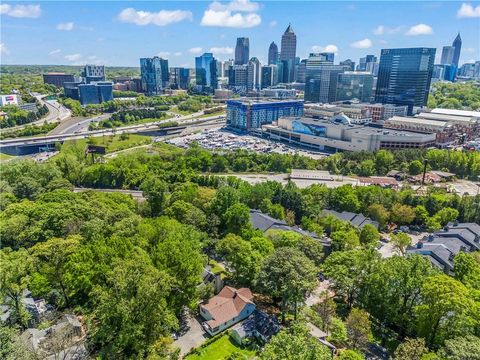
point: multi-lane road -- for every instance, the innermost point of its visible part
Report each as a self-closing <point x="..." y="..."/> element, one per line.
<point x="50" y="139"/>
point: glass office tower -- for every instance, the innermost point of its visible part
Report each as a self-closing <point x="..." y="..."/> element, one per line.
<point x="355" y="85"/>
<point x="242" y="51"/>
<point x="404" y="76"/>
<point x="206" y="72"/>
<point x="154" y="75"/>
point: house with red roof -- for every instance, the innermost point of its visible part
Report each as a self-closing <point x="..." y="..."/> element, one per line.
<point x="226" y="309"/>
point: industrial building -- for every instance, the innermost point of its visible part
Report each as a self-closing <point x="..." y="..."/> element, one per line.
<point x="339" y="134"/>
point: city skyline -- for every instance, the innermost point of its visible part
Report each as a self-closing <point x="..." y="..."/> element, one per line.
<point x="77" y="33"/>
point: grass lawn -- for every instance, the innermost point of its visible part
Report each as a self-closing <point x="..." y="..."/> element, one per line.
<point x="4" y="157"/>
<point x="222" y="112"/>
<point x="220" y="349"/>
<point x="112" y="143"/>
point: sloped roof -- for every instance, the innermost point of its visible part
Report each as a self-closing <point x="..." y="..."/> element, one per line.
<point x="228" y="304"/>
<point x="266" y="325"/>
<point x="289" y="29"/>
<point x="263" y="221"/>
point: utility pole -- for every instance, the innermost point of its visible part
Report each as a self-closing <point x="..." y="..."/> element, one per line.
<point x="425" y="162"/>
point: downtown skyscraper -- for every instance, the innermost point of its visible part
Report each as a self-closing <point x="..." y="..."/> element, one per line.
<point x="288" y="53"/>
<point x="272" y="53"/>
<point x="242" y="51"/>
<point x="404" y="76"/>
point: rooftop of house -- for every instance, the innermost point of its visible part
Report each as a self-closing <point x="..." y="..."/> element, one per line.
<point x="442" y="246"/>
<point x="228" y="304"/>
<point x="357" y="220"/>
<point x="265" y="222"/>
<point x="266" y="325"/>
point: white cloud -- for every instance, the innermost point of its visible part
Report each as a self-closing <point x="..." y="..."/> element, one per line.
<point x="468" y="11"/>
<point x="21" y="11"/>
<point x="384" y="30"/>
<point x="235" y="5"/>
<point x="73" y="57"/>
<point x="178" y="53"/>
<point x="55" y="52"/>
<point x="420" y="29"/>
<point x="230" y="14"/>
<point x="195" y="50"/>
<point x="469" y="50"/>
<point x="273" y="23"/>
<point x="68" y="26"/>
<point x="161" y="18"/>
<point x="3" y="49"/>
<point x="163" y="54"/>
<point x="221" y="50"/>
<point x="362" y="44"/>
<point x="329" y="48"/>
<point x="79" y="59"/>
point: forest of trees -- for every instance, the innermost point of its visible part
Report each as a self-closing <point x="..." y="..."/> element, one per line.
<point x="17" y="116"/>
<point x="454" y="96"/>
<point x="99" y="254"/>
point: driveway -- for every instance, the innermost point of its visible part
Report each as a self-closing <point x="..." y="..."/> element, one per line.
<point x="314" y="297"/>
<point x="193" y="337"/>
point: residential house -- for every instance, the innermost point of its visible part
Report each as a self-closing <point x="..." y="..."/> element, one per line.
<point x="441" y="247"/>
<point x="209" y="278"/>
<point x="259" y="325"/>
<point x="265" y="222"/>
<point x="357" y="220"/>
<point x="227" y="308"/>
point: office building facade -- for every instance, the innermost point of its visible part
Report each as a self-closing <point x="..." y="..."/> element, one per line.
<point x="206" y="72"/>
<point x="321" y="79"/>
<point x="354" y="85"/>
<point x="95" y="93"/>
<point x="241" y="78"/>
<point x="269" y="76"/>
<point x="272" y="53"/>
<point x="447" y="55"/>
<point x="57" y="79"/>
<point x="257" y="71"/>
<point x="348" y="64"/>
<point x="288" y="53"/>
<point x="246" y="115"/>
<point x="154" y="74"/>
<point x="404" y="76"/>
<point x="93" y="73"/>
<point x="242" y="51"/>
<point x="179" y="78"/>
<point x="457" y="44"/>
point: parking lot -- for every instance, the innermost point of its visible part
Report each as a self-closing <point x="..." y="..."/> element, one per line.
<point x="221" y="139"/>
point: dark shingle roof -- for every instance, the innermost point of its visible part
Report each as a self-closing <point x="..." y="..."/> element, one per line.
<point x="263" y="221"/>
<point x="357" y="220"/>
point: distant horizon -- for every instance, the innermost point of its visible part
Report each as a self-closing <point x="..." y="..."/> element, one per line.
<point x="76" y="33"/>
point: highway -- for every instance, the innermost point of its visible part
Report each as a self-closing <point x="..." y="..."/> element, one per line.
<point x="49" y="139"/>
<point x="56" y="113"/>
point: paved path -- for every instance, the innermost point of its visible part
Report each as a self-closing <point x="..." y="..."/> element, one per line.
<point x="194" y="337"/>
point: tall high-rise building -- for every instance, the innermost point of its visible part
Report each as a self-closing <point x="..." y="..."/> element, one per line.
<point x="404" y="76"/>
<point x="269" y="76"/>
<point x="321" y="79"/>
<point x="457" y="44"/>
<point x="447" y="55"/>
<point x="206" y="72"/>
<point x="272" y="53"/>
<point x="301" y="71"/>
<point x="180" y="78"/>
<point x="354" y="85"/>
<point x="367" y="63"/>
<point x="349" y="64"/>
<point x="257" y="69"/>
<point x="329" y="56"/>
<point x="154" y="74"/>
<point x="241" y="77"/>
<point x="288" y="52"/>
<point x="242" y="51"/>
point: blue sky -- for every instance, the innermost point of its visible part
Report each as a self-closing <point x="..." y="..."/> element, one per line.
<point x="118" y="33"/>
